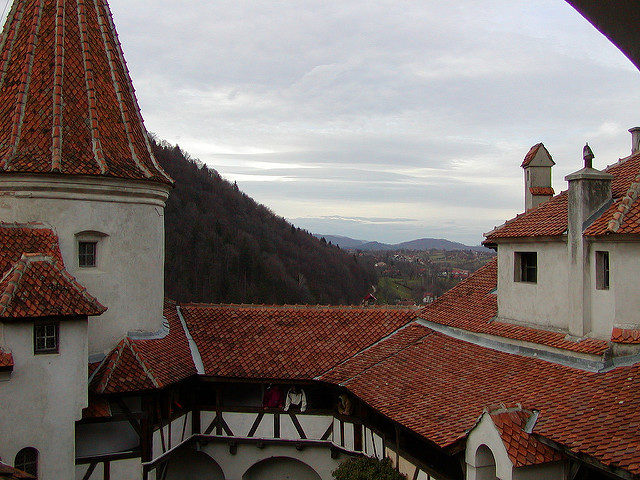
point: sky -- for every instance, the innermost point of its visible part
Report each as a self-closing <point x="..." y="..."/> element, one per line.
<point x="380" y="120"/>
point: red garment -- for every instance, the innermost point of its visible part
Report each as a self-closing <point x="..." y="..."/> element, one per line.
<point x="273" y="398"/>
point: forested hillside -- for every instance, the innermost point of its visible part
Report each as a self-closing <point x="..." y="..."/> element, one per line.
<point x="223" y="247"/>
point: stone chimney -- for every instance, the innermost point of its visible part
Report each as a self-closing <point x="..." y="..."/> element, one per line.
<point x="635" y="140"/>
<point x="589" y="195"/>
<point x="537" y="176"/>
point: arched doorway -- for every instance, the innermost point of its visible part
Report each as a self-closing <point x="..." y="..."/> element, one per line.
<point x="188" y="464"/>
<point x="281" y="468"/>
<point x="485" y="464"/>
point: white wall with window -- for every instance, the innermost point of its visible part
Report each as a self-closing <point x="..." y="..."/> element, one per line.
<point x="48" y="386"/>
<point x="532" y="283"/>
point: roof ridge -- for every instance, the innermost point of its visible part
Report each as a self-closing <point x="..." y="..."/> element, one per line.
<point x="138" y="357"/>
<point x="624" y="205"/>
<point x="110" y="367"/>
<point x="13" y="276"/>
<point x="56" y="129"/>
<point x="76" y="285"/>
<point x="257" y="306"/>
<point x="25" y="82"/>
<point x="98" y="154"/>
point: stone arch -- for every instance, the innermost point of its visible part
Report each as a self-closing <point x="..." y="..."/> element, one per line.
<point x="27" y="461"/>
<point x="485" y="464"/>
<point x="280" y="468"/>
<point x="189" y="464"/>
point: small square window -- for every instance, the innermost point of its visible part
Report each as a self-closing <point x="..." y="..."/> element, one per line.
<point x="526" y="267"/>
<point x="45" y="338"/>
<point x="87" y="254"/>
<point x="602" y="270"/>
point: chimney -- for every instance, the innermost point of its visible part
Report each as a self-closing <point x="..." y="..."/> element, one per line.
<point x="635" y="140"/>
<point x="537" y="176"/>
<point x="589" y="195"/>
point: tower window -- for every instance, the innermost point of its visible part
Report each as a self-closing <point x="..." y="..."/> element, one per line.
<point x="526" y="267"/>
<point x="27" y="461"/>
<point x="45" y="338"/>
<point x="602" y="270"/>
<point x="87" y="254"/>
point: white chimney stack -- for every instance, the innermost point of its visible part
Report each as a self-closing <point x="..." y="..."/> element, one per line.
<point x="635" y="140"/>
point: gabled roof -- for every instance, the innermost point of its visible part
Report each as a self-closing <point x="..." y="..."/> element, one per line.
<point x="17" y="239"/>
<point x="538" y="155"/>
<point x="67" y="104"/>
<point x="39" y="286"/>
<point x="524" y="449"/>
<point x="438" y="386"/>
<point x="146" y="364"/>
<point x="550" y="218"/>
<point x="288" y="342"/>
<point x="472" y="305"/>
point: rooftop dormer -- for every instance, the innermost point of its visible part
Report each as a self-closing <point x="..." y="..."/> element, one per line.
<point x="537" y="176"/>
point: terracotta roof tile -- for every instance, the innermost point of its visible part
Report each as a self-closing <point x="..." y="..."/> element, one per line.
<point x="99" y="407"/>
<point x="67" y="104"/>
<point x="438" y="387"/>
<point x="136" y="365"/>
<point x="285" y="342"/>
<point x="38" y="286"/>
<point x="17" y="239"/>
<point x="6" y="360"/>
<point x="524" y="449"/>
<point x="472" y="305"/>
<point x="533" y="151"/>
<point x="541" y="191"/>
<point x="550" y="218"/>
<point x="624" y="335"/>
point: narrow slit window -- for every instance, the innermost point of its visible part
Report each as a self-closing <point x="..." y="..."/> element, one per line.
<point x="526" y="267"/>
<point x="602" y="270"/>
<point x="45" y="338"/>
<point x="87" y="254"/>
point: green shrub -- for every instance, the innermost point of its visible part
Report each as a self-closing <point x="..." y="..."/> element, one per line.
<point x="366" y="468"/>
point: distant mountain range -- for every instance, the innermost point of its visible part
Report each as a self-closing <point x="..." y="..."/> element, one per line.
<point x="419" y="244"/>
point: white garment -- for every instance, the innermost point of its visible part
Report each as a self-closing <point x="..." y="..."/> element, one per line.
<point x="295" y="399"/>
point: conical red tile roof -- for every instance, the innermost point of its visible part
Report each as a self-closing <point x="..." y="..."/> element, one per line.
<point x="67" y="104"/>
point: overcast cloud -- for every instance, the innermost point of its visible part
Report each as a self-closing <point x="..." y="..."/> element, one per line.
<point x="381" y="120"/>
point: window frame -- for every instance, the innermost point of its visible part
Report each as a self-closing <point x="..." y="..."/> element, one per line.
<point x="28" y="464"/>
<point x="86" y="255"/>
<point x="603" y="270"/>
<point x="525" y="267"/>
<point x="55" y="335"/>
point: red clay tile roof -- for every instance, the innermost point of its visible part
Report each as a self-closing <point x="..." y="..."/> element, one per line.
<point x="17" y="239"/>
<point x="7" y="472"/>
<point x="285" y="342"/>
<point x="438" y="386"/>
<point x="471" y="305"/>
<point x="541" y="191"/>
<point x="627" y="336"/>
<point x="523" y="448"/>
<point x="531" y="154"/>
<point x="6" y="360"/>
<point x="67" y="104"/>
<point x="548" y="219"/>
<point x="38" y="286"/>
<point x="136" y="365"/>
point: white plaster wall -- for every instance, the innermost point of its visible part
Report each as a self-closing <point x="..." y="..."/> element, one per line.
<point x="485" y="433"/>
<point x="543" y="303"/>
<point x="129" y="278"/>
<point x="620" y="305"/>
<point x="235" y="466"/>
<point x="129" y="469"/>
<point x="44" y="397"/>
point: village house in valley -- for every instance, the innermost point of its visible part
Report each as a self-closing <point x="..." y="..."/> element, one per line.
<point x="527" y="369"/>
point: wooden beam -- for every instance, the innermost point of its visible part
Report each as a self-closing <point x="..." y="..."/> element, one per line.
<point x="89" y="471"/>
<point x="256" y="424"/>
<point x="107" y="470"/>
<point x="296" y="424"/>
<point x="130" y="417"/>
